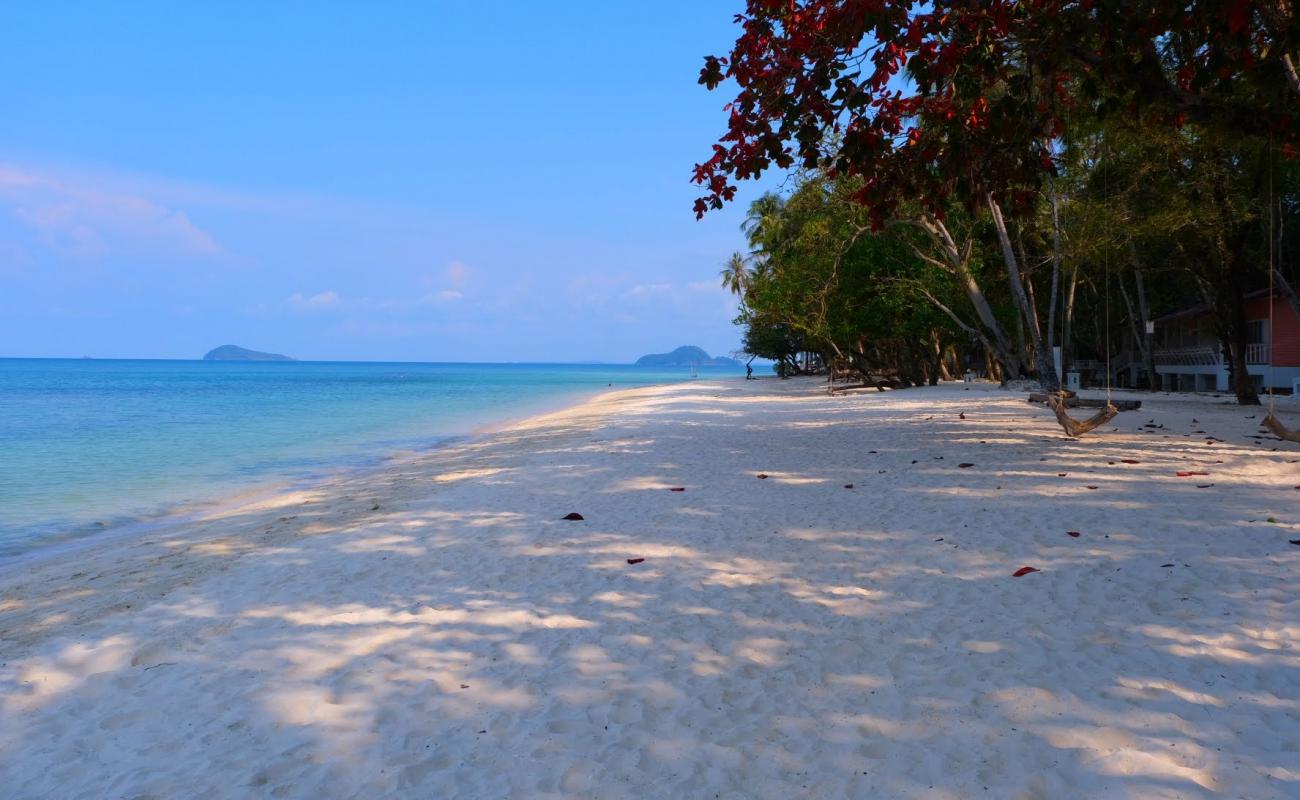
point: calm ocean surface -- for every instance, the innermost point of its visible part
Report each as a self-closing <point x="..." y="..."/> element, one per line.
<point x="86" y="445"/>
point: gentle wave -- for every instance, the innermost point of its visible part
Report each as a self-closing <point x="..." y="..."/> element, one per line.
<point x="89" y="445"/>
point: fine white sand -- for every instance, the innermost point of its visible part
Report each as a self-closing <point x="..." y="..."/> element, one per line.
<point x="784" y="637"/>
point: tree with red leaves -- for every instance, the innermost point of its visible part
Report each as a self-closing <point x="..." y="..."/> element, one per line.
<point x="963" y="99"/>
<point x="972" y="102"/>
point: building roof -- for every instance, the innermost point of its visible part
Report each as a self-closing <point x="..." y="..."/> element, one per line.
<point x="1198" y="310"/>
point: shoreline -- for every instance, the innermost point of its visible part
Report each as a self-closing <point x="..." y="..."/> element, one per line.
<point x="231" y="499"/>
<point x="848" y="624"/>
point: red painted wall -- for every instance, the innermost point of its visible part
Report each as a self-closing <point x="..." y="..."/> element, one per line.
<point x="1285" y="339"/>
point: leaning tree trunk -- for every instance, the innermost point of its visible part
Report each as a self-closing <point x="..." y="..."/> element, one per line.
<point x="1042" y="359"/>
<point x="1286" y="290"/>
<point x="957" y="263"/>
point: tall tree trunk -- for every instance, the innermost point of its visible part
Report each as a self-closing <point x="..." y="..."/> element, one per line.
<point x="1229" y="291"/>
<point x="1149" y="351"/>
<point x="1056" y="275"/>
<point x="1234" y="312"/>
<point x="1042" y="360"/>
<point x="1067" y="324"/>
<point x="1133" y="322"/>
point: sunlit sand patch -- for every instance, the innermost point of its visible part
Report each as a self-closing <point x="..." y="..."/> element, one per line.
<point x="381" y="543"/>
<point x="623" y="599"/>
<point x="638" y="484"/>
<point x="1153" y="687"/>
<point x="467" y="474"/>
<point x="221" y="547"/>
<point x="856" y="681"/>
<point x="41" y="680"/>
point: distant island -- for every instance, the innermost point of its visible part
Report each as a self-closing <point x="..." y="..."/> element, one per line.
<point x="230" y="352"/>
<point x="687" y="356"/>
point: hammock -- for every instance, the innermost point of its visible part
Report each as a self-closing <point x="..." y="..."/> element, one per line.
<point x="1279" y="430"/>
<point x="1074" y="427"/>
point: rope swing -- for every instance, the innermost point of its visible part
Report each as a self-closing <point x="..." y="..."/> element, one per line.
<point x="1271" y="422"/>
<point x="1056" y="400"/>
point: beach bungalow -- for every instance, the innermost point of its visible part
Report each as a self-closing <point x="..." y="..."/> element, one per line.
<point x="1189" y="356"/>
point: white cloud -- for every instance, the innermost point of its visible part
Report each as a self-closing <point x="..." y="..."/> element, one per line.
<point x="644" y="289"/>
<point x="85" y="221"/>
<point x="448" y="295"/>
<point x="317" y="302"/>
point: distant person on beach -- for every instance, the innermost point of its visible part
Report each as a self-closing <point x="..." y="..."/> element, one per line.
<point x="749" y="373"/>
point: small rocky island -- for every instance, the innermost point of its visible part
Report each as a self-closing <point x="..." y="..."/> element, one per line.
<point x="230" y="352"/>
<point x="687" y="356"/>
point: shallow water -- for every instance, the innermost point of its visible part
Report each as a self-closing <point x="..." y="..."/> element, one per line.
<point x="88" y="444"/>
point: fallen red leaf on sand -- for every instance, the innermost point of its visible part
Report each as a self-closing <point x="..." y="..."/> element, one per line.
<point x="573" y="515"/>
<point x="1073" y="534"/>
<point x="1024" y="571"/>
<point x="1294" y="541"/>
<point x="761" y="476"/>
<point x="965" y="465"/>
<point x="677" y="489"/>
<point x="635" y="560"/>
<point x="850" y="486"/>
<point x="1129" y="461"/>
<point x="1060" y="474"/>
<point x="1204" y="485"/>
<point x="1190" y="474"/>
<point x="961" y="416"/>
<point x="1093" y="487"/>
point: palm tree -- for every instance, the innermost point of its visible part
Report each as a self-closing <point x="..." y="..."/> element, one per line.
<point x="763" y="213"/>
<point x="735" y="274"/>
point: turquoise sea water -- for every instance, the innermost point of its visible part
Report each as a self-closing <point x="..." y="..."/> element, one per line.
<point x="87" y="445"/>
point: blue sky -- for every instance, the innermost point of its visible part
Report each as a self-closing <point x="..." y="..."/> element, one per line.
<point x="422" y="181"/>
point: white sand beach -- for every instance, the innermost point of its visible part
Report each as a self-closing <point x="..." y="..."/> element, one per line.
<point x="434" y="629"/>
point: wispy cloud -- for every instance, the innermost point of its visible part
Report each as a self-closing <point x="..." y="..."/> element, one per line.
<point x="643" y="289"/>
<point x="317" y="302"/>
<point x="86" y="221"/>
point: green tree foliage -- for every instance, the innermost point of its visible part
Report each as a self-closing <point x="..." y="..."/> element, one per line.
<point x="1018" y="175"/>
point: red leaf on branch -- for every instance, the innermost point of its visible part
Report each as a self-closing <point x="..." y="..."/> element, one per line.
<point x="1024" y="571"/>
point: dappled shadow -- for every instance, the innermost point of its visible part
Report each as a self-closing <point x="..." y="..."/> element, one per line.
<point x="435" y="629"/>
